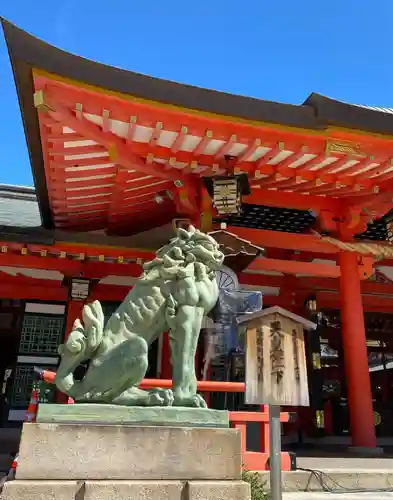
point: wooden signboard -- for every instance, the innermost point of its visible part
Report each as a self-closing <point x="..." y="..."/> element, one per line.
<point x="276" y="371"/>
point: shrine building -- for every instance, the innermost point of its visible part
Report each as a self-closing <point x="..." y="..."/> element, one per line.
<point x="298" y="196"/>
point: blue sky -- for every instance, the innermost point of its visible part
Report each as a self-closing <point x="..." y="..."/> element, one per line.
<point x="279" y="50"/>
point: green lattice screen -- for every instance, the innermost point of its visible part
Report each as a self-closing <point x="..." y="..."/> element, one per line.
<point x="46" y="392"/>
<point x="23" y="385"/>
<point x="41" y="334"/>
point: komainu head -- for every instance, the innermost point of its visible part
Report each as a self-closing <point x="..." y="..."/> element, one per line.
<point x="189" y="246"/>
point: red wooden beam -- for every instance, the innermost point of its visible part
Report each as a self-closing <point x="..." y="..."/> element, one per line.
<point x="93" y="270"/>
<point x="73" y="206"/>
<point x="376" y="170"/>
<point x="142" y="220"/>
<point x="226" y="147"/>
<point x="65" y="266"/>
<point x="60" y="150"/>
<point x="362" y="164"/>
<point x="282" y="168"/>
<point x="331" y="300"/>
<point x="249" y="151"/>
<point x="340" y="162"/>
<point x="60" y="138"/>
<point x="174" y="119"/>
<point x="122" y="213"/>
<point x="31" y="292"/>
<point x="21" y="279"/>
<point x="310" y="284"/>
<point x="260" y="196"/>
<point x="132" y="193"/>
<point x="284" y="164"/>
<point x="325" y="299"/>
<point x="61" y="191"/>
<point x="385" y="196"/>
<point x="83" y="225"/>
<point x="155" y="136"/>
<point x="314" y="179"/>
<point x="58" y="293"/>
<point x="178" y="142"/>
<point x="269" y="155"/>
<point x="312" y="163"/>
<point x="118" y="150"/>
<point x="83" y="249"/>
<point x="206" y="138"/>
<point x="148" y="112"/>
<point x="365" y="268"/>
<point x="295" y="267"/>
<point x="60" y="217"/>
<point x="186" y="201"/>
<point x="289" y="241"/>
<point x="105" y="162"/>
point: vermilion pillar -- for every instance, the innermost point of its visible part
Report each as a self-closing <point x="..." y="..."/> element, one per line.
<point x="166" y="367"/>
<point x="74" y="311"/>
<point x="355" y="354"/>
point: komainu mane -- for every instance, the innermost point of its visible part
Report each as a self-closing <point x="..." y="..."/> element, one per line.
<point x="177" y="289"/>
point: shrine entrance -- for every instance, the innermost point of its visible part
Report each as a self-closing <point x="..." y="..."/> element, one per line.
<point x="335" y="422"/>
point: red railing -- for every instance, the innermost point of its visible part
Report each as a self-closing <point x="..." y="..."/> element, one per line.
<point x="251" y="460"/>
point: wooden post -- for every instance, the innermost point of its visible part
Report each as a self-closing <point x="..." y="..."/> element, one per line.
<point x="74" y="311"/>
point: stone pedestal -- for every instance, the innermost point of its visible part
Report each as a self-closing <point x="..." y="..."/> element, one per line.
<point x="100" y="462"/>
<point x="148" y="416"/>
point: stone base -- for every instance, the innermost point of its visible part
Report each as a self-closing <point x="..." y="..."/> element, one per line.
<point x="110" y="452"/>
<point x="42" y="490"/>
<point x="124" y="490"/>
<point x="90" y="414"/>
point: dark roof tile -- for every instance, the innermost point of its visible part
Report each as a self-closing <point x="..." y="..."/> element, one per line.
<point x="19" y="207"/>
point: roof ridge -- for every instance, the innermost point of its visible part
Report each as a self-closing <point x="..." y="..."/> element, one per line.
<point x="14" y="188"/>
<point x="25" y="193"/>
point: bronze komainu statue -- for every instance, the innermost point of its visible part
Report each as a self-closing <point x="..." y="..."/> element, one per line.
<point x="177" y="289"/>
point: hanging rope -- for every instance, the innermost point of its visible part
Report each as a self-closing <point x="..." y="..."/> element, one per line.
<point x="377" y="250"/>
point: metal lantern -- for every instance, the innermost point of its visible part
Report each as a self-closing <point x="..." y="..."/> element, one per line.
<point x="79" y="289"/>
<point x="227" y="192"/>
<point x="226" y="195"/>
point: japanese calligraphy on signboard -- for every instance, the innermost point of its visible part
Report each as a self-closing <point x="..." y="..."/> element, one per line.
<point x="276" y="370"/>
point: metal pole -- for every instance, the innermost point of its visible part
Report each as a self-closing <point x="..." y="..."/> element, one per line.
<point x="275" y="452"/>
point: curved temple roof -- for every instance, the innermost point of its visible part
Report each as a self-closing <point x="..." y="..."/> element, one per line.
<point x="315" y="113"/>
<point x="34" y="53"/>
<point x="245" y="128"/>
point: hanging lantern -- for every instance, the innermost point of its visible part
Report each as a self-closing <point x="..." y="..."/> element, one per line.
<point x="227" y="192"/>
<point x="226" y="195"/>
<point x="79" y="289"/>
